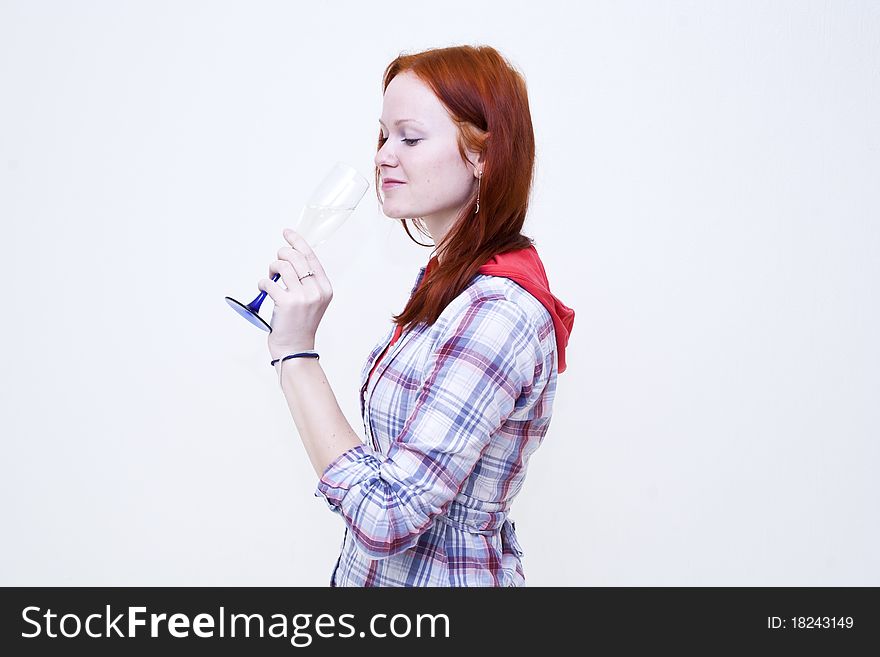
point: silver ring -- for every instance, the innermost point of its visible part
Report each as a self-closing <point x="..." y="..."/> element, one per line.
<point x="311" y="273"/>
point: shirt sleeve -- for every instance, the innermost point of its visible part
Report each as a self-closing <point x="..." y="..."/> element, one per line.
<point x="477" y="371"/>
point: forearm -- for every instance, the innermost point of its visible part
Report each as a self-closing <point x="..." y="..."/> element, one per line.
<point x="324" y="430"/>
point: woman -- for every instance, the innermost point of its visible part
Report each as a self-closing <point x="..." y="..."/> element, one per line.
<point x="458" y="395"/>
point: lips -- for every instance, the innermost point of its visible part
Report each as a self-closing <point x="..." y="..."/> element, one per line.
<point x="388" y="183"/>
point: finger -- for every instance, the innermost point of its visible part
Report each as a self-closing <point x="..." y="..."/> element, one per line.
<point x="301" y="247"/>
<point x="286" y="270"/>
<point x="299" y="243"/>
<point x="271" y="288"/>
<point x="294" y="257"/>
<point x="300" y="267"/>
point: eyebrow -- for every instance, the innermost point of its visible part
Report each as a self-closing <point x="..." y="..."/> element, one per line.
<point x="399" y="121"/>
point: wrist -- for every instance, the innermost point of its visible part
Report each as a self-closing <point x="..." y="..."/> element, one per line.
<point x="281" y="352"/>
<point x="281" y="364"/>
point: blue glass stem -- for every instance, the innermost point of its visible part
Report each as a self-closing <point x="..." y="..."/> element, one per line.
<point x="254" y="306"/>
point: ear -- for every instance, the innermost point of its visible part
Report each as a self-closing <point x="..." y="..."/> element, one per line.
<point x="475" y="160"/>
<point x="478" y="167"/>
<point x="481" y="158"/>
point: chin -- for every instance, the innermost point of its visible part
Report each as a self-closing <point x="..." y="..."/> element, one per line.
<point x="394" y="213"/>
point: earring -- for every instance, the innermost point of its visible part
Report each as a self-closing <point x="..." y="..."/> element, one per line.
<point x="479" y="180"/>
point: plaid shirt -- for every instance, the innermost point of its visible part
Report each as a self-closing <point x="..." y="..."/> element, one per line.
<point x="452" y="415"/>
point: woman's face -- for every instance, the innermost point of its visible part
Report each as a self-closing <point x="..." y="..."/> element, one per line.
<point x="422" y="153"/>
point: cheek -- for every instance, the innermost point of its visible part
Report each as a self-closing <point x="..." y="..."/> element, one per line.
<point x="435" y="176"/>
<point x="438" y="167"/>
<point x="457" y="173"/>
<point x="442" y="176"/>
<point x="451" y="183"/>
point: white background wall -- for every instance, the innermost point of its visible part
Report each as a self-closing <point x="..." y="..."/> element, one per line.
<point x="707" y="201"/>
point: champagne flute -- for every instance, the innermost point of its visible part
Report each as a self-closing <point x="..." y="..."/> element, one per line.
<point x="330" y="204"/>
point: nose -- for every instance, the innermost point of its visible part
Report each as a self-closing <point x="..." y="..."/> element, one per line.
<point x="385" y="155"/>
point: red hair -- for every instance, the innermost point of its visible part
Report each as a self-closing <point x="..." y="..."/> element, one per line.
<point x="488" y="100"/>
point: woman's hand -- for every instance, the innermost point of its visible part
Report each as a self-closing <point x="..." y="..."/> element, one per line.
<point x="298" y="309"/>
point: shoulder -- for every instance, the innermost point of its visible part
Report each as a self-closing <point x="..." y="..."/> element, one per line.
<point x="495" y="331"/>
<point x="497" y="310"/>
<point x="501" y="296"/>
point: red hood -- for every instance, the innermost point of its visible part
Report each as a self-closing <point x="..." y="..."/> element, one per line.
<point x="525" y="268"/>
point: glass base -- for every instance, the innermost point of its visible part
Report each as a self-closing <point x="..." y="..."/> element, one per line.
<point x="250" y="316"/>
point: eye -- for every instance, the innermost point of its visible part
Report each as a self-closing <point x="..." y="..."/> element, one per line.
<point x="408" y="142"/>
